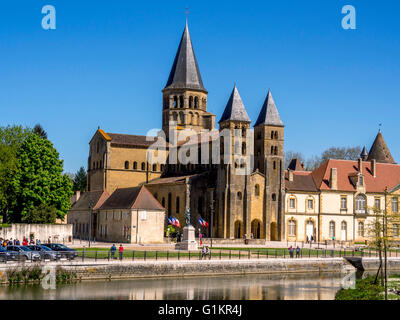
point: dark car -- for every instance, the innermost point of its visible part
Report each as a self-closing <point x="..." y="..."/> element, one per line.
<point x="45" y="252"/>
<point x="64" y="251"/>
<point x="7" y="255"/>
<point x="24" y="253"/>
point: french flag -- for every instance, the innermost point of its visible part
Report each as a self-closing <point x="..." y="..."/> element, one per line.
<point x="203" y="222"/>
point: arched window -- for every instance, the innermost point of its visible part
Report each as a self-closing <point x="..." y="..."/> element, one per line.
<point x="244" y="148"/>
<point x="276" y="151"/>
<point x="175" y="102"/>
<point x="273" y="197"/>
<point x="257" y="190"/>
<point x="292" y="228"/>
<point x="163" y="202"/>
<point x="361" y="229"/>
<point x="135" y="165"/>
<point x="154" y="167"/>
<point x="177" y="204"/>
<point x="272" y="134"/>
<point x="344" y="231"/>
<point x="361" y="204"/>
<point x="272" y="150"/>
<point x="143" y="166"/>
<point x="190" y="102"/>
<point x="274" y="165"/>
<point x="181" y="103"/>
<point x="331" y="229"/>
<point x="239" y="196"/>
<point x="276" y="135"/>
<point x="127" y="165"/>
<point x="196" y="102"/>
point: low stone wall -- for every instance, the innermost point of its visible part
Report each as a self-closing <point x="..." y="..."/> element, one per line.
<point x="55" y="232"/>
<point x="373" y="263"/>
<point x="159" y="269"/>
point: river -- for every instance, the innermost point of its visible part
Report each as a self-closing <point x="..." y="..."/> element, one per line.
<point x="246" y="287"/>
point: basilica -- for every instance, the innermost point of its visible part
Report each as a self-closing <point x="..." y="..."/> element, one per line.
<point x="242" y="190"/>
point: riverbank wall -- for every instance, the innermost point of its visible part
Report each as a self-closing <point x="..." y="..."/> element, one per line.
<point x="158" y="269"/>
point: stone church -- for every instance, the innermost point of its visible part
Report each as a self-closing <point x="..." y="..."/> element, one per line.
<point x="235" y="205"/>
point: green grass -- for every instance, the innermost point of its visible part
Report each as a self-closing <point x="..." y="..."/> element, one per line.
<point x="365" y="290"/>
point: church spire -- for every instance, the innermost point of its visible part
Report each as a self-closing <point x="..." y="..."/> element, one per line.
<point x="379" y="150"/>
<point x="185" y="73"/>
<point x="269" y="114"/>
<point x="235" y="110"/>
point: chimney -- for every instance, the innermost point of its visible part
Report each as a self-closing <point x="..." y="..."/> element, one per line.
<point x="333" y="179"/>
<point x="360" y="163"/>
<point x="373" y="167"/>
<point x="290" y="175"/>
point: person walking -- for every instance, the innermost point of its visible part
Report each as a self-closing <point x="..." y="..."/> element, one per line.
<point x="121" y="251"/>
<point x="113" y="249"/>
<point x="25" y="242"/>
<point x="298" y="252"/>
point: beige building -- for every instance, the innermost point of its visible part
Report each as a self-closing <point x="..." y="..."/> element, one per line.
<point x="128" y="215"/>
<point x="337" y="200"/>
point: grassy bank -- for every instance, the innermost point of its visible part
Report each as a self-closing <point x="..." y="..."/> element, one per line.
<point x="366" y="289"/>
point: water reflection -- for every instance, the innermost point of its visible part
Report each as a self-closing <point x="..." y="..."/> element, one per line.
<point x="247" y="287"/>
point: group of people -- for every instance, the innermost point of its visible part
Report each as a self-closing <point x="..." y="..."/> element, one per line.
<point x="113" y="249"/>
<point x="310" y="239"/>
<point x="205" y="251"/>
<point x="291" y="252"/>
<point x="17" y="242"/>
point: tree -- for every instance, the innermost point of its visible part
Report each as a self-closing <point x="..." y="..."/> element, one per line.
<point x="38" y="129"/>
<point x="80" y="180"/>
<point x="38" y="180"/>
<point x="11" y="139"/>
<point x="41" y="214"/>
<point x="344" y="153"/>
<point x="382" y="235"/>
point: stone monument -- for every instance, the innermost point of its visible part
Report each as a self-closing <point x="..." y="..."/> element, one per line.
<point x="188" y="242"/>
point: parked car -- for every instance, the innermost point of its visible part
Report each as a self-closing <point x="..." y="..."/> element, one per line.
<point x="7" y="255"/>
<point x="45" y="252"/>
<point x="24" y="253"/>
<point x="63" y="250"/>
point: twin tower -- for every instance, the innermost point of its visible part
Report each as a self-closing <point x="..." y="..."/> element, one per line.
<point x="244" y="205"/>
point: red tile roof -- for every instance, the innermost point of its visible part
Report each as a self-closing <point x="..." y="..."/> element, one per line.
<point x="387" y="175"/>
<point x="302" y="181"/>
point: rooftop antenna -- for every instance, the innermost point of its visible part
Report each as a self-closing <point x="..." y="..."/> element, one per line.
<point x="380" y="127"/>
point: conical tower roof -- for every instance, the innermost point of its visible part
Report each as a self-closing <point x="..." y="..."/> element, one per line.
<point x="379" y="150"/>
<point x="364" y="154"/>
<point x="269" y="114"/>
<point x="185" y="73"/>
<point x="235" y="110"/>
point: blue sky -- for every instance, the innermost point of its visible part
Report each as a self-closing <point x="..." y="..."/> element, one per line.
<point x="107" y="62"/>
